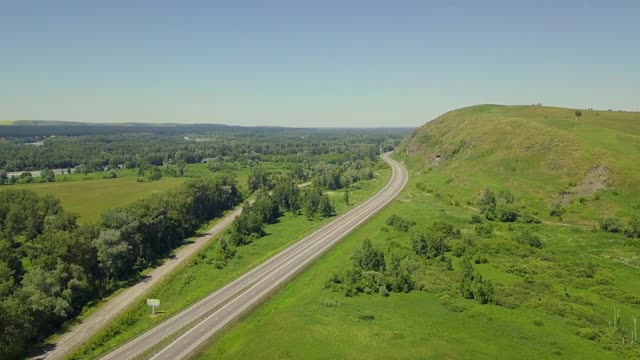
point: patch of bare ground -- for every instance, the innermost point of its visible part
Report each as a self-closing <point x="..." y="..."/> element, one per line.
<point x="595" y="180"/>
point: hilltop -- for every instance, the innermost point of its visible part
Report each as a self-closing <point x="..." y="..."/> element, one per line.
<point x="544" y="155"/>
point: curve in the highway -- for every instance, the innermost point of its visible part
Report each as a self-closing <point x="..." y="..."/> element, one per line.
<point x="205" y="318"/>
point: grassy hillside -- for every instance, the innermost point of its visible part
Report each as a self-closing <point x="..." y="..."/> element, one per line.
<point x="555" y="283"/>
<point x="536" y="152"/>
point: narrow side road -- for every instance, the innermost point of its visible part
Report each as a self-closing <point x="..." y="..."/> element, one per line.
<point x="181" y="335"/>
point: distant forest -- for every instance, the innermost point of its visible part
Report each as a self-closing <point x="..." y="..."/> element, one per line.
<point x="109" y="146"/>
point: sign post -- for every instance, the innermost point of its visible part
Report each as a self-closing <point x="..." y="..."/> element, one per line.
<point x="153" y="303"/>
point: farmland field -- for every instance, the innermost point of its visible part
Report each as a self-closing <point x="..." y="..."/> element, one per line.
<point x="88" y="198"/>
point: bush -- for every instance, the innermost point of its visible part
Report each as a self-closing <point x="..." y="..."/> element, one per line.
<point x="528" y="238"/>
<point x="433" y="242"/>
<point x="557" y="211"/>
<point x="612" y="224"/>
<point x="329" y="303"/>
<point x="399" y="223"/>
<point x="633" y="229"/>
<point x="484" y="230"/>
<point x="538" y="323"/>
<point x="507" y="213"/>
<point x="475" y="219"/>
<point x="527" y="217"/>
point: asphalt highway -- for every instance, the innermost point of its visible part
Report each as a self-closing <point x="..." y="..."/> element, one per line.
<point x="180" y="336"/>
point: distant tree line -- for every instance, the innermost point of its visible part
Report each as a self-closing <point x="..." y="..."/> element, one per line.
<point x="100" y="152"/>
<point x="50" y="266"/>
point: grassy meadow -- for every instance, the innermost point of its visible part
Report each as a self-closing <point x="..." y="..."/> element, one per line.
<point x="88" y="198"/>
<point x="200" y="277"/>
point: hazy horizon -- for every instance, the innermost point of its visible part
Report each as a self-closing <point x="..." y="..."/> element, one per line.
<point x="397" y="64"/>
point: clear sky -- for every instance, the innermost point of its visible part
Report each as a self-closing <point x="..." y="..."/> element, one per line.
<point x="311" y="63"/>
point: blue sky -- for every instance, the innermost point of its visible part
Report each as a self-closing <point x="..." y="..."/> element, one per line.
<point x="311" y="63"/>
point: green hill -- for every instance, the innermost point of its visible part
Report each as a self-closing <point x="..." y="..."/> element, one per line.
<point x="544" y="155"/>
<point x="457" y="284"/>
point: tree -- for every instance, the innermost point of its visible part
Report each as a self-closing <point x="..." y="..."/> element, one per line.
<point x="325" y="207"/>
<point x="112" y="253"/>
<point x="154" y="173"/>
<point x="258" y="178"/>
<point x="47" y="175"/>
<point x="578" y="114"/>
<point x="486" y="200"/>
<point x="368" y="257"/>
<point x="433" y="242"/>
<point x="346" y="196"/>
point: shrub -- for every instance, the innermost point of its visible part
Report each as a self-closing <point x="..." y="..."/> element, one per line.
<point x="475" y="219"/>
<point x="528" y="238"/>
<point x="484" y="230"/>
<point x="527" y="217"/>
<point x="329" y="303"/>
<point x="557" y="211"/>
<point x="433" y="242"/>
<point x="507" y="213"/>
<point x="611" y="224"/>
<point x="538" y="323"/>
<point x="633" y="229"/>
<point x="399" y="223"/>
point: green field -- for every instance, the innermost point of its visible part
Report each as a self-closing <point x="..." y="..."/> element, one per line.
<point x="200" y="277"/>
<point x="88" y="198"/>
<point x="555" y="302"/>
<point x="89" y="194"/>
<point x="7" y="122"/>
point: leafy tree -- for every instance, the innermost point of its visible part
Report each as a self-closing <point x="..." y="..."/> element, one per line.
<point x="112" y="253"/>
<point x="472" y="285"/>
<point x="258" y="178"/>
<point x="368" y="257"/>
<point x="346" y="196"/>
<point x="154" y="173"/>
<point x="325" y="208"/>
<point x="47" y="175"/>
<point x="486" y="200"/>
<point x="287" y="195"/>
<point x="433" y="242"/>
<point x="578" y="114"/>
<point x="316" y="203"/>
